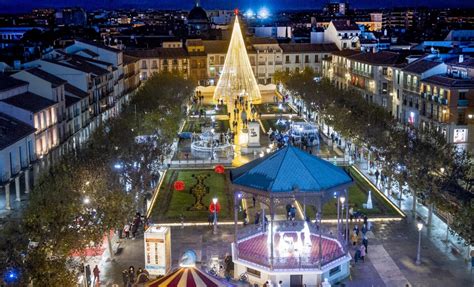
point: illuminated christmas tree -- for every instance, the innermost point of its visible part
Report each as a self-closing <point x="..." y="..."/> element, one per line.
<point x="237" y="78"/>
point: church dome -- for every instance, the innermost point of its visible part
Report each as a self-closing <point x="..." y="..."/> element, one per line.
<point x="197" y="14"/>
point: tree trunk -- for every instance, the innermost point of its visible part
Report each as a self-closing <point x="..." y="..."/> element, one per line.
<point x="430" y="216"/>
<point x="414" y="203"/>
<point x="109" y="243"/>
<point x="400" y="189"/>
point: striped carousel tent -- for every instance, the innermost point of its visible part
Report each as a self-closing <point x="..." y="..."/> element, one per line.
<point x="186" y="277"/>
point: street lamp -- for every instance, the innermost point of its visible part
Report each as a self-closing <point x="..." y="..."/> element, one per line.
<point x="342" y="199"/>
<point x="86" y="200"/>
<point x="420" y="227"/>
<point x="214" y="201"/>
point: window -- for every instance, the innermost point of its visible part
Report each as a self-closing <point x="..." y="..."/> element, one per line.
<point x="335" y="270"/>
<point x="143" y="64"/>
<point x="297" y="59"/>
<point x="462" y="95"/>
<point x="154" y="65"/>
<point x="287" y="59"/>
<point x="306" y="59"/>
<point x="316" y="59"/>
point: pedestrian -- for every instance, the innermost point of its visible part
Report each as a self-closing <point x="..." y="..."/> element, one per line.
<point x="125" y="278"/>
<point x="253" y="199"/>
<point x="245" y="216"/>
<point x="288" y="209"/>
<point x="354" y="238"/>
<point x="257" y="218"/>
<point x="356" y="255"/>
<point x="88" y="275"/>
<point x="365" y="242"/>
<point x="96" y="272"/>
<point x="126" y="230"/>
<point x="362" y="252"/>
<point x="364" y="229"/>
<point x="365" y="220"/>
<point x="280" y="283"/>
<point x="377" y="173"/>
<point x="356" y="229"/>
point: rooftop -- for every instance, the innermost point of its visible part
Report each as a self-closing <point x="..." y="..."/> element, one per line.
<point x="54" y="80"/>
<point x="75" y="91"/>
<point x="216" y="46"/>
<point x="29" y="102"/>
<point x="308" y="48"/>
<point x="71" y="100"/>
<point x="170" y="53"/>
<point x="447" y="81"/>
<point x="383" y="58"/>
<point x="98" y="45"/>
<point x="345" y="25"/>
<point x="290" y="169"/>
<point x="8" y="83"/>
<point x="12" y="130"/>
<point x="421" y="66"/>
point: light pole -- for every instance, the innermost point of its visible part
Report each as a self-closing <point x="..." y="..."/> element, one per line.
<point x="338" y="217"/>
<point x="420" y="227"/>
<point x="342" y="199"/>
<point x="214" y="201"/>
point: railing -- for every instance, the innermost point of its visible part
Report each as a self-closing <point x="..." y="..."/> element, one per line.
<point x="298" y="261"/>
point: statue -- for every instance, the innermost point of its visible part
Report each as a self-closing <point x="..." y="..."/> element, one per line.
<point x="369" y="201"/>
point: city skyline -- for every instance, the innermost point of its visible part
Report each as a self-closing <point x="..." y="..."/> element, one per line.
<point x="27" y="5"/>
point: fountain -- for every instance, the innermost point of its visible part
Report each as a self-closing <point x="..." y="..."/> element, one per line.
<point x="210" y="142"/>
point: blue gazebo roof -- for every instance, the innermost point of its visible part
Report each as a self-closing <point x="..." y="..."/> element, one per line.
<point x="288" y="169"/>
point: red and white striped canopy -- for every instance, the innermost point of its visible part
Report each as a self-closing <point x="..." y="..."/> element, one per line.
<point x="186" y="277"/>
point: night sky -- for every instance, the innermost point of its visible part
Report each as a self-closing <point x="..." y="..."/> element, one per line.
<point x="27" y="5"/>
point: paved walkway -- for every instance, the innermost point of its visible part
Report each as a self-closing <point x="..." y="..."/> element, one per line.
<point x="386" y="267"/>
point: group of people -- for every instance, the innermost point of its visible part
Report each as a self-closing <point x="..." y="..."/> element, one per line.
<point x="132" y="227"/>
<point x="290" y="212"/>
<point x="130" y="277"/>
<point x="86" y="271"/>
<point x="360" y="250"/>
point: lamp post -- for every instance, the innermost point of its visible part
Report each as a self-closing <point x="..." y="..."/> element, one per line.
<point x="420" y="227"/>
<point x="338" y="217"/>
<point x="342" y="199"/>
<point x="214" y="201"/>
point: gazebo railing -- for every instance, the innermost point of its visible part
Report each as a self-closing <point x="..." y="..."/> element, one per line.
<point x="282" y="226"/>
<point x="289" y="262"/>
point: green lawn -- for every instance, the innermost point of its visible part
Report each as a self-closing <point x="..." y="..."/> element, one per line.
<point x="273" y="108"/>
<point x="195" y="126"/>
<point x="171" y="204"/>
<point x="221" y="110"/>
<point x="358" y="193"/>
<point x="272" y="123"/>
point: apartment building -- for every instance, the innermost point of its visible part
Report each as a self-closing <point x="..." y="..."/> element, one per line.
<point x="269" y="57"/>
<point x="344" y="33"/>
<point x="17" y="153"/>
<point x="297" y="57"/>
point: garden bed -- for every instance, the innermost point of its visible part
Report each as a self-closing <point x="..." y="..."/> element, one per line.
<point x="171" y="204"/>
<point x="195" y="126"/>
<point x="221" y="109"/>
<point x="273" y="108"/>
<point x="358" y="194"/>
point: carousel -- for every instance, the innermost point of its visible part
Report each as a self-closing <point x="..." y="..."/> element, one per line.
<point x="187" y="275"/>
<point x="287" y="250"/>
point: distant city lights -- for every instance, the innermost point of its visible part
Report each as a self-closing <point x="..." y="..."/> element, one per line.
<point x="263" y="13"/>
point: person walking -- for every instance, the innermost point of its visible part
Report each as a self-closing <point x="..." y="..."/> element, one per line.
<point x="245" y="216"/>
<point x="253" y="200"/>
<point x="377" y="173"/>
<point x="362" y="252"/>
<point x="88" y="275"/>
<point x="365" y="242"/>
<point x="354" y="238"/>
<point x="125" y="278"/>
<point x="126" y="230"/>
<point x="96" y="272"/>
<point x="257" y="218"/>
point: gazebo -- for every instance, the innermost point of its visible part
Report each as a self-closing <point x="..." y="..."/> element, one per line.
<point x="294" y="252"/>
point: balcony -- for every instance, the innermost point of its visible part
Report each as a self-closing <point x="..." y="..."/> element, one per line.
<point x="463" y="103"/>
